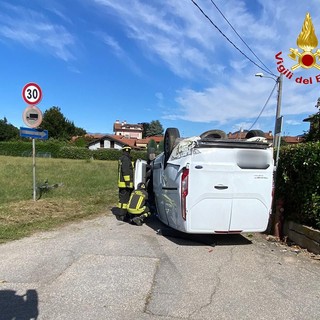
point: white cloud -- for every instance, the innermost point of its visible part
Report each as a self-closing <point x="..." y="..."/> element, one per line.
<point x="171" y="32"/>
<point x="113" y="44"/>
<point x="118" y="51"/>
<point x="33" y="30"/>
<point x="293" y="122"/>
<point x="159" y="96"/>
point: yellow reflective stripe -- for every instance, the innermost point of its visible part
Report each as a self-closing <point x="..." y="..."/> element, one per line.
<point x="125" y="185"/>
<point x="122" y="205"/>
<point x="126" y="178"/>
<point x="139" y="202"/>
<point x="136" y="211"/>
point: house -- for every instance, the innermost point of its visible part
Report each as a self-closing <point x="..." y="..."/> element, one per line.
<point x="143" y="143"/>
<point x="113" y="141"/>
<point x="242" y="135"/>
<point x="124" y="134"/>
<point x="131" y="131"/>
<point x="267" y="135"/>
<point x="293" y="140"/>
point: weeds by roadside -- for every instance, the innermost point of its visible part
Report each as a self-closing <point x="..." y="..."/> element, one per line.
<point x="89" y="188"/>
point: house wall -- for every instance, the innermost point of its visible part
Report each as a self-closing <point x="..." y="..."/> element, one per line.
<point x="117" y="146"/>
<point x="107" y="144"/>
<point x="95" y="146"/>
<point x="129" y="133"/>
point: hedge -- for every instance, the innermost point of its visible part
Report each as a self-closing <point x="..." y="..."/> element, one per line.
<point x="58" y="149"/>
<point x="24" y="148"/>
<point x="114" y="154"/>
<point x="298" y="183"/>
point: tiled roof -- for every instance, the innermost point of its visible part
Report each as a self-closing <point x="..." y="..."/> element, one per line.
<point x="122" y="140"/>
<point x="242" y="135"/>
<point x="146" y="140"/>
<point x="292" y="140"/>
<point x="127" y="126"/>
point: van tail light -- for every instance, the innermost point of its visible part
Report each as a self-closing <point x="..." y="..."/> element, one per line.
<point x="184" y="191"/>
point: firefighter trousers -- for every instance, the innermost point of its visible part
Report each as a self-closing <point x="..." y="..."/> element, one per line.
<point x="124" y="196"/>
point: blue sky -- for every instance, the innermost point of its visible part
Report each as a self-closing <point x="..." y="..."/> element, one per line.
<point x="144" y="60"/>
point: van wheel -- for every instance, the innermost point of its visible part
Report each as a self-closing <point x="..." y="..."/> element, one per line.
<point x="170" y="137"/>
<point x="254" y="133"/>
<point x="214" y="134"/>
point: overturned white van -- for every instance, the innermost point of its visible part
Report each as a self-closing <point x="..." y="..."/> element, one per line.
<point x="210" y="184"/>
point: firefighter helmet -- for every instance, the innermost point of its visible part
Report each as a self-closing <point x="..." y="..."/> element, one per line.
<point x="141" y="185"/>
<point x="126" y="148"/>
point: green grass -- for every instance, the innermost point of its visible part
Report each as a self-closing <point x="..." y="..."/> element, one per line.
<point x="89" y="189"/>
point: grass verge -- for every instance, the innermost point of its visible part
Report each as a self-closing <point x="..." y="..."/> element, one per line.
<point x="89" y="189"/>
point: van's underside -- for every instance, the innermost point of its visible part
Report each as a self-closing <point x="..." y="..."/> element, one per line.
<point x="231" y="144"/>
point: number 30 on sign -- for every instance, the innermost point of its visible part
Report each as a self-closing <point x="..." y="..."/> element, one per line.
<point x="31" y="93"/>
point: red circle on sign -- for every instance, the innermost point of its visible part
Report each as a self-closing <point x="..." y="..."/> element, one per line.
<point x="307" y="60"/>
<point x="32" y="93"/>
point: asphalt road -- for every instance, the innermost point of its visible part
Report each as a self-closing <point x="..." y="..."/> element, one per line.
<point x="106" y="269"/>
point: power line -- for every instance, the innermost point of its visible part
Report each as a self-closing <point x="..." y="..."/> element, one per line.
<point x="270" y="72"/>
<point x="229" y="39"/>
<point x="263" y="107"/>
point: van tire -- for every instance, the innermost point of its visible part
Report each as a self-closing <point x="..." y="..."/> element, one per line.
<point x="170" y="137"/>
<point x="214" y="134"/>
<point x="254" y="133"/>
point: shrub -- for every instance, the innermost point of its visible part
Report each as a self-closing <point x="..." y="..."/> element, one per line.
<point x="74" y="153"/>
<point x="298" y="183"/>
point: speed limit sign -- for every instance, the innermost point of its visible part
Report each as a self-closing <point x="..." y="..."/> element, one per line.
<point x="31" y="93"/>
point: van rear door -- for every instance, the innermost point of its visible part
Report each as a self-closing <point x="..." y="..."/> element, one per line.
<point x="252" y="179"/>
<point x="209" y="201"/>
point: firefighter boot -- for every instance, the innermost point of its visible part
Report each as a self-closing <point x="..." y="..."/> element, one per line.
<point x="121" y="214"/>
<point x="138" y="220"/>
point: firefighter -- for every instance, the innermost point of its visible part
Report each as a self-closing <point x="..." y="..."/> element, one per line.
<point x="137" y="206"/>
<point x="125" y="181"/>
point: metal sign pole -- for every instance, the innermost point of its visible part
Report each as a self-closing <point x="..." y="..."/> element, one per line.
<point x="34" y="167"/>
<point x="32" y="117"/>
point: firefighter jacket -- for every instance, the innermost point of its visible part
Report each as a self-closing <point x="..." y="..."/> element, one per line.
<point x="125" y="171"/>
<point x="137" y="202"/>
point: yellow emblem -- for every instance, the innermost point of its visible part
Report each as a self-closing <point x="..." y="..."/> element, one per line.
<point x="307" y="41"/>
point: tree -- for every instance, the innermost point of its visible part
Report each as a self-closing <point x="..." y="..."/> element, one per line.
<point x="152" y="146"/>
<point x="154" y="129"/>
<point x="83" y="140"/>
<point x="8" y="131"/>
<point x="161" y="146"/>
<point x="145" y="126"/>
<point x="314" y="132"/>
<point x="151" y="149"/>
<point x="58" y="126"/>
